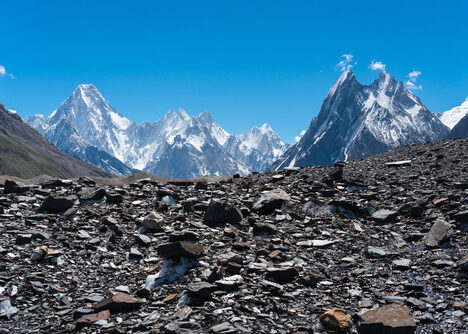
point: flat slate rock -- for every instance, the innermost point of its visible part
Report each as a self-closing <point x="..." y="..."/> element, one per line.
<point x="271" y="201"/>
<point x="440" y="231"/>
<point x="222" y="213"/>
<point x="393" y="318"/>
<point x="56" y="204"/>
<point x="384" y="216"/>
<point x="180" y="249"/>
<point x="120" y="302"/>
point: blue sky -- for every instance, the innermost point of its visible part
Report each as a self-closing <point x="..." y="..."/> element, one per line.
<point x="246" y="62"/>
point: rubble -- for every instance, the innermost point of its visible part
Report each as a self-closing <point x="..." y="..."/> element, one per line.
<point x="277" y="252"/>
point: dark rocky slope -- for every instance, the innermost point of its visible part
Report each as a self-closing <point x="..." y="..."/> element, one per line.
<point x="460" y="130"/>
<point x="268" y="253"/>
<point x="26" y="153"/>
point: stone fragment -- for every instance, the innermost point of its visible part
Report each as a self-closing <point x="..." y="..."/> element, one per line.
<point x="143" y="240"/>
<point x="23" y="239"/>
<point x="336" y="320"/>
<point x="463" y="263"/>
<point x="316" y="243"/>
<point x="183" y="327"/>
<point x="6" y="310"/>
<point x="271" y="201"/>
<point x="230" y="282"/>
<point x="400" y="163"/>
<point x="402" y="263"/>
<point x="376" y="251"/>
<point x="283" y="275"/>
<point x="93" y="317"/>
<point x="223" y="328"/>
<point x="222" y="213"/>
<point x="153" y="222"/>
<point x="56" y="204"/>
<point x="180" y="249"/>
<point x="384" y="216"/>
<point x="183" y="236"/>
<point x="135" y="253"/>
<point x="461" y="217"/>
<point x="120" y="302"/>
<point x="440" y="231"/>
<point x="114" y="198"/>
<point x="12" y="187"/>
<point x="201" y="289"/>
<point x="393" y="318"/>
<point x="201" y="185"/>
<point x="92" y="194"/>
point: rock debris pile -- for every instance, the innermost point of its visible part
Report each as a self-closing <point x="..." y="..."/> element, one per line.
<point x="376" y="245"/>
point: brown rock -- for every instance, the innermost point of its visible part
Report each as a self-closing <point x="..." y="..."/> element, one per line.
<point x="90" y="318"/>
<point x="393" y="318"/>
<point x="336" y="320"/>
<point x="180" y="249"/>
<point x="120" y="302"/>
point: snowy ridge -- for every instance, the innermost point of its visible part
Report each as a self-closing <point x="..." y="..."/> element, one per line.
<point x="177" y="145"/>
<point x="451" y="117"/>
<point x="358" y="120"/>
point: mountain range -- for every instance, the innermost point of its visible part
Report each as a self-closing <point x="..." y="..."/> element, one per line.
<point x="358" y="120"/>
<point x="176" y="146"/>
<point x="354" y="121"/>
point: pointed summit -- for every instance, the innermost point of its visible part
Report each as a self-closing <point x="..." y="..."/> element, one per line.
<point x="205" y="118"/>
<point x="88" y="93"/>
<point x="266" y="128"/>
<point x="184" y="114"/>
<point x="347" y="79"/>
<point x="356" y="121"/>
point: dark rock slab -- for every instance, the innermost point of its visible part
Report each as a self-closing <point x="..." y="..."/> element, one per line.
<point x="92" y="194"/>
<point x="12" y="187"/>
<point x="180" y="249"/>
<point x="440" y="231"/>
<point x="56" y="204"/>
<point x="222" y="213"/>
<point x="283" y="275"/>
<point x="201" y="289"/>
<point x="384" y="216"/>
<point x="120" y="302"/>
<point x="114" y="198"/>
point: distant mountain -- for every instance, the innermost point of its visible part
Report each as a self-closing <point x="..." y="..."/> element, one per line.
<point x="460" y="130"/>
<point x="26" y="153"/>
<point x="88" y="127"/>
<point x="359" y="120"/>
<point x="257" y="148"/>
<point x="451" y="117"/>
<point x="177" y="145"/>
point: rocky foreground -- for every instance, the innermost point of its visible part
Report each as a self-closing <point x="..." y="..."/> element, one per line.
<point x="377" y="245"/>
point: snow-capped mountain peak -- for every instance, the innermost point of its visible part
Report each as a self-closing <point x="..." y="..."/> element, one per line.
<point x="358" y="120"/>
<point x="183" y="114"/>
<point x="347" y="78"/>
<point x="451" y="117"/>
<point x="177" y="145"/>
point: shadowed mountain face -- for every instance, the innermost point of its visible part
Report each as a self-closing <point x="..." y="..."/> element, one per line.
<point x="26" y="153"/>
<point x="357" y="121"/>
